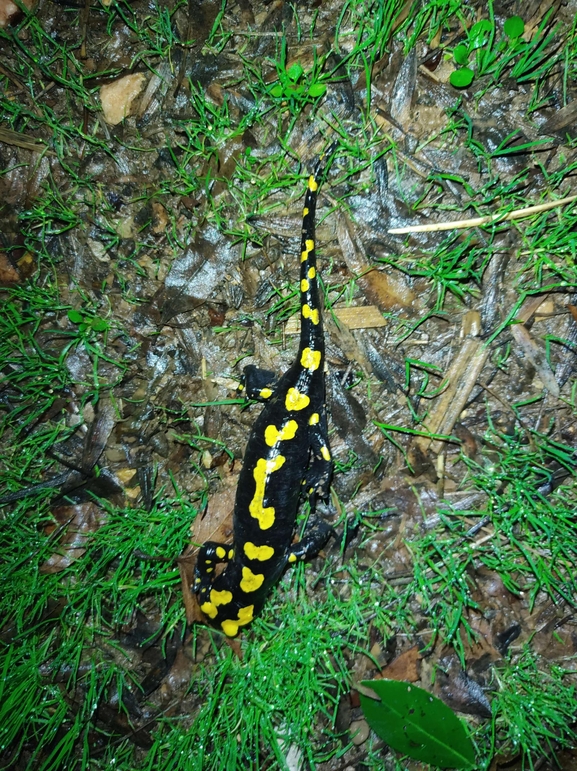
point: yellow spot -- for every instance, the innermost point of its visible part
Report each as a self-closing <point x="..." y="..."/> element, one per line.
<point x="314" y="419"/>
<point x="310" y="313"/>
<point x="292" y="558"/>
<point x="220" y="552"/>
<point x="251" y="581"/>
<point x="245" y="616"/>
<point x="272" y="435"/>
<point x="208" y="562"/>
<point x="261" y="474"/>
<point x="208" y="570"/>
<point x="231" y="554"/>
<point x="325" y="453"/>
<point x="265" y="393"/>
<point x="220" y="598"/>
<point x="312" y="184"/>
<point x="209" y="610"/>
<point x="295" y="400"/>
<point x="309" y="246"/>
<point x="305" y="211"/>
<point x="230" y="628"/>
<point x="304" y="285"/>
<point x="310" y="359"/>
<point x="261" y="553"/>
<point x="240" y="387"/>
<point x="312" y="273"/>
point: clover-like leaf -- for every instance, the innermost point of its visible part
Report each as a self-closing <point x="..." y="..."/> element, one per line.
<point x="462" y="77"/>
<point x="75" y="316"/>
<point x="295" y="72"/>
<point x="461" y="54"/>
<point x="514" y="27"/>
<point x="317" y="89"/>
<point x="98" y="324"/>
<point x="479" y="33"/>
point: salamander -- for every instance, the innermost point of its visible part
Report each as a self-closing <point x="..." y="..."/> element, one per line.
<point x="287" y="457"/>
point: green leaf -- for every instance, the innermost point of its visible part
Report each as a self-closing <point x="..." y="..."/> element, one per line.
<point x="479" y="33"/>
<point x="412" y="721"/>
<point x="98" y="324"/>
<point x="317" y="89"/>
<point x="75" y="316"/>
<point x="462" y="77"/>
<point x="514" y="27"/>
<point x="461" y="54"/>
<point x="294" y="72"/>
<point x="277" y="91"/>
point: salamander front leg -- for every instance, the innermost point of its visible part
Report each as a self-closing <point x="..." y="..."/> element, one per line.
<point x="257" y="383"/>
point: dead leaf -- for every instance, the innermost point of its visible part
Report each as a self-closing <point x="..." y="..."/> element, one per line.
<point x="8" y="273"/>
<point x="405" y="667"/>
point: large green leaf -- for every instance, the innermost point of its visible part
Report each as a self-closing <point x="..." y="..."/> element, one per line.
<point x="419" y="725"/>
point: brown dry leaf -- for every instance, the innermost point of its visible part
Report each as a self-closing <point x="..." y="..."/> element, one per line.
<point x="405" y="667"/>
<point x="77" y="523"/>
<point x="383" y="289"/>
<point x="459" y="691"/>
<point x="8" y="273"/>
<point x="216" y="524"/>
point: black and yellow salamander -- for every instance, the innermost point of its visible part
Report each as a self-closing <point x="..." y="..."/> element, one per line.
<point x="287" y="456"/>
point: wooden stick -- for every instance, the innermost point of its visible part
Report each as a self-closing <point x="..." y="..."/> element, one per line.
<point x="476" y="221"/>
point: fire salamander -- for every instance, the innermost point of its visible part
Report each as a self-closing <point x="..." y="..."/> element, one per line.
<point x="287" y="454"/>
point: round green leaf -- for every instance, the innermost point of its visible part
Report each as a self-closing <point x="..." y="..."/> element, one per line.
<point x="412" y="721"/>
<point x="98" y="324"/>
<point x="277" y="91"/>
<point x="462" y="77"/>
<point x="461" y="54"/>
<point x="75" y="316"/>
<point x="295" y="71"/>
<point x="514" y="27"/>
<point x="479" y="33"/>
<point x="317" y="89"/>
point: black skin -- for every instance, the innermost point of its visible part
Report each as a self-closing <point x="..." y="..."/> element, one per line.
<point x="299" y="464"/>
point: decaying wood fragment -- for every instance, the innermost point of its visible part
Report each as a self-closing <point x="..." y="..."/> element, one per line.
<point x="462" y="377"/>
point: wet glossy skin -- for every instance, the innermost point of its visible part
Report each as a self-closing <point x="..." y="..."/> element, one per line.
<point x="287" y="456"/>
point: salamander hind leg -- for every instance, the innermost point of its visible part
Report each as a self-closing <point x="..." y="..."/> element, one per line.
<point x="317" y="533"/>
<point x="209" y="555"/>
